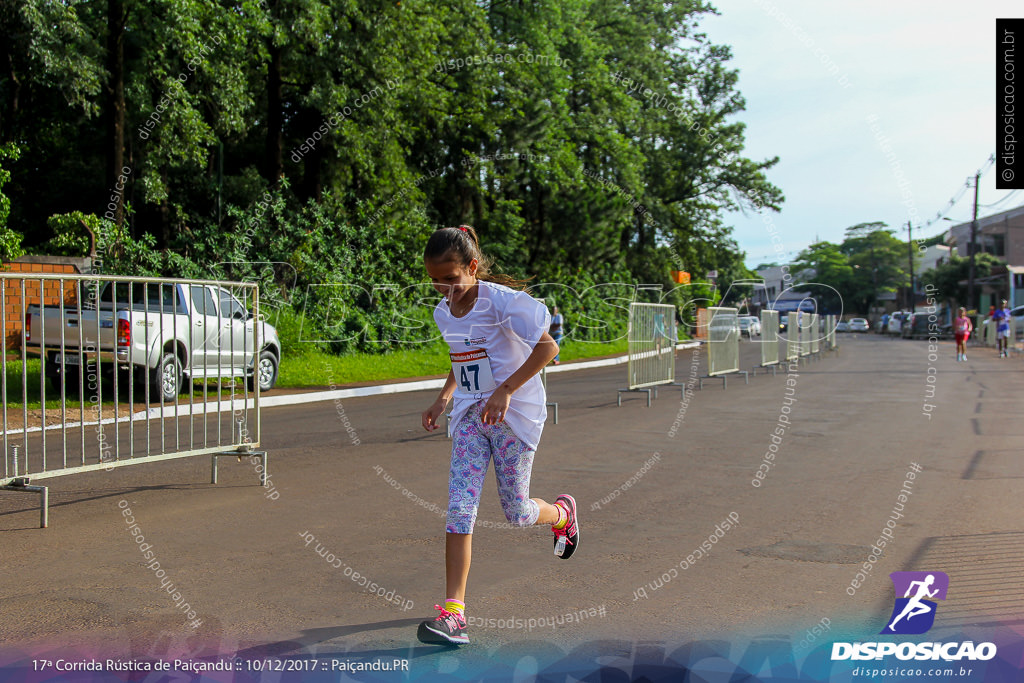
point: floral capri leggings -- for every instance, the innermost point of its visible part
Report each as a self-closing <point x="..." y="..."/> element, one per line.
<point x="473" y="445"/>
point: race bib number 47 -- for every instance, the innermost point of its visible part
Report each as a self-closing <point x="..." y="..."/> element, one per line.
<point x="472" y="371"/>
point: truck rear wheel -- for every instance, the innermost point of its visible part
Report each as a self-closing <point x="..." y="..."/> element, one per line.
<point x="165" y="379"/>
<point x="80" y="381"/>
<point x="71" y="379"/>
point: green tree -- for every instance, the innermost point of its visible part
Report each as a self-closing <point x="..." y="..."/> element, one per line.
<point x="330" y="136"/>
<point x="833" y="276"/>
<point x="879" y="260"/>
<point x="10" y="240"/>
<point x="950" y="278"/>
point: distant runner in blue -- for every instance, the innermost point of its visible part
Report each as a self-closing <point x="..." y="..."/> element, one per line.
<point x="1001" y="319"/>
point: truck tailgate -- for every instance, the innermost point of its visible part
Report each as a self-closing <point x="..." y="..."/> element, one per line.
<point x="48" y="324"/>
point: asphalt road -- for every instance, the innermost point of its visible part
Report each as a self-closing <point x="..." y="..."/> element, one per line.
<point x="237" y="554"/>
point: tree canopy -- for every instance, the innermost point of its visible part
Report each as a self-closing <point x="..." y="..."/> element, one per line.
<point x="869" y="261"/>
<point x="588" y="141"/>
<point x="950" y="278"/>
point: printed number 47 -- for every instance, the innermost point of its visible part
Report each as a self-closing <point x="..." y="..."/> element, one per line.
<point x="464" y="377"/>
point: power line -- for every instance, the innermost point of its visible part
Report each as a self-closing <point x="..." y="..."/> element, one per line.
<point x="961" y="192"/>
<point x="1011" y="195"/>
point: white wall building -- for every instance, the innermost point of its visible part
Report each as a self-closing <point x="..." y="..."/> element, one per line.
<point x="931" y="258"/>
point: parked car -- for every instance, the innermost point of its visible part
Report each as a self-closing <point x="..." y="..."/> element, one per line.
<point x="896" y="320"/>
<point x="750" y="324"/>
<point x="172" y="332"/>
<point x="917" y="327"/>
<point x="842" y="326"/>
<point x="1016" y="323"/>
<point x="1017" y="316"/>
<point x="858" y="325"/>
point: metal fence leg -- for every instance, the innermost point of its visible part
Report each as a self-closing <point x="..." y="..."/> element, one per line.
<point x="44" y="507"/>
<point x="44" y="500"/>
<point x="264" y="459"/>
<point x="647" y="391"/>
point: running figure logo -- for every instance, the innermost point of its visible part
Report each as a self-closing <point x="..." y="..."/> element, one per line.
<point x="914" y="613"/>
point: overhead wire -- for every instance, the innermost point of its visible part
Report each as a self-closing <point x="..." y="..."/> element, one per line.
<point x="939" y="215"/>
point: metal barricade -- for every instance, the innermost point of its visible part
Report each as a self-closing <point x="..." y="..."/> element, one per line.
<point x="792" y="337"/>
<point x="815" y="339"/>
<point x="803" y="323"/>
<point x="104" y="374"/>
<point x="769" y="338"/>
<point x="723" y="344"/>
<point x="724" y="341"/>
<point x="652" y="341"/>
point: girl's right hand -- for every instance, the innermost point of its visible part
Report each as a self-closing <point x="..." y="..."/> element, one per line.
<point x="431" y="414"/>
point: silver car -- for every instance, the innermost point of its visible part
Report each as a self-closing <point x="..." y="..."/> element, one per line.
<point x="750" y="324"/>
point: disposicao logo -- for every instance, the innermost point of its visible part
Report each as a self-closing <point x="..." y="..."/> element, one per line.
<point x="914" y="613"/>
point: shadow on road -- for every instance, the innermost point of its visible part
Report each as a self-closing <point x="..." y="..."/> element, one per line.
<point x="310" y="637"/>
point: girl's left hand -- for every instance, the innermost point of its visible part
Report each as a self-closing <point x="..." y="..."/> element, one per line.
<point x="496" y="407"/>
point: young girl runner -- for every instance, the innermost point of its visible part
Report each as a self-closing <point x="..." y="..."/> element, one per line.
<point x="499" y="343"/>
<point x="961" y="332"/>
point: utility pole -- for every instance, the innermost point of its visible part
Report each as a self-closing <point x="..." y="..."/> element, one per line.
<point x="972" y="247"/>
<point x="910" y="256"/>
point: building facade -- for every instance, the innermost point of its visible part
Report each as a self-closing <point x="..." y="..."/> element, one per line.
<point x="1001" y="235"/>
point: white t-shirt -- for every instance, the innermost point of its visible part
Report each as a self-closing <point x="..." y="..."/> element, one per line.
<point x="490" y="343"/>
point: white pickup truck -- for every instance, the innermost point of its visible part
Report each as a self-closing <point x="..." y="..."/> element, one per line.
<point x="167" y="332"/>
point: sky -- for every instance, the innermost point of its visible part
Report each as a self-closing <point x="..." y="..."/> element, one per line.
<point x="878" y="111"/>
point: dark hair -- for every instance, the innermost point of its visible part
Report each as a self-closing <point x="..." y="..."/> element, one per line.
<point x="462" y="246"/>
